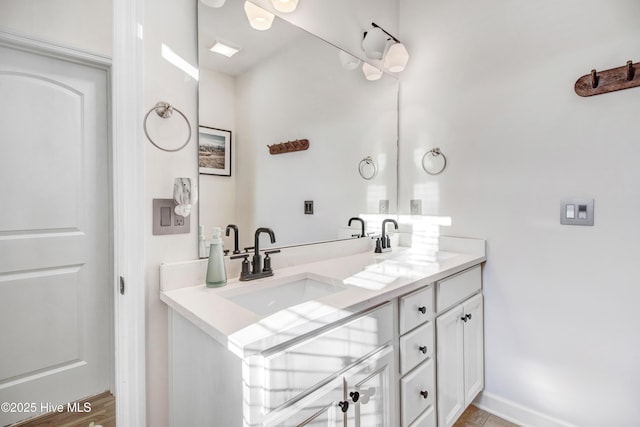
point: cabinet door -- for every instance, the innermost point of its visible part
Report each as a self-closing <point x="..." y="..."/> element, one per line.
<point x="450" y="366"/>
<point x="320" y="409"/>
<point x="473" y="348"/>
<point x="369" y="390"/>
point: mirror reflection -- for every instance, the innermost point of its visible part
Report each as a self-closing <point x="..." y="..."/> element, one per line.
<point x="283" y="86"/>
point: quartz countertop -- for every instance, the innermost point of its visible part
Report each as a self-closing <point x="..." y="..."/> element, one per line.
<point x="365" y="280"/>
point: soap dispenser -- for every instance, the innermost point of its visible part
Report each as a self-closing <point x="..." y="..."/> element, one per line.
<point x="216" y="272"/>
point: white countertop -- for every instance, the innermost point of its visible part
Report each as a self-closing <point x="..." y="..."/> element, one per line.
<point x="368" y="279"/>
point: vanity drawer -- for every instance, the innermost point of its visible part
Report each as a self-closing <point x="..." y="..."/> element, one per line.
<point x="415" y="347"/>
<point x="416" y="308"/>
<point x="458" y="287"/>
<point x="413" y="389"/>
<point x="428" y="419"/>
<point x="291" y="370"/>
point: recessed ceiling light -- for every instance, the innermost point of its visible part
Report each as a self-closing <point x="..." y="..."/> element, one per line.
<point x="224" y="49"/>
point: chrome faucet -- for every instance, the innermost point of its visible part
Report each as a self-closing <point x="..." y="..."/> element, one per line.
<point x="235" y="237"/>
<point x="383" y="243"/>
<point x="362" y="234"/>
<point x="257" y="271"/>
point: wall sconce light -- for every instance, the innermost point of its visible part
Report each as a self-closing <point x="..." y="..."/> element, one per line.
<point x="285" y="6"/>
<point x="259" y="18"/>
<point x="213" y="3"/>
<point x="371" y="73"/>
<point x="377" y="43"/>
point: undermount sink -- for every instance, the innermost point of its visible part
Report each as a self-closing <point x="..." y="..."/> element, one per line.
<point x="269" y="298"/>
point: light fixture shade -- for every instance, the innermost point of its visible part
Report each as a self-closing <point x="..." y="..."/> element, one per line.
<point x="213" y="3"/>
<point x="396" y="58"/>
<point x="371" y="73"/>
<point x="348" y="61"/>
<point x="285" y="6"/>
<point x="374" y="43"/>
<point x="259" y="18"/>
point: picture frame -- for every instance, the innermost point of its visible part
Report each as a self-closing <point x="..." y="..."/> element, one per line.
<point x="214" y="151"/>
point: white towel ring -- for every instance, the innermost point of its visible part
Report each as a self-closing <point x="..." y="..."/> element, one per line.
<point x="165" y="110"/>
<point x="435" y="152"/>
<point x="367" y="174"/>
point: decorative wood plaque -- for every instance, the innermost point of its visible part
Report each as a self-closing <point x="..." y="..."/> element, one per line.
<point x="289" y="146"/>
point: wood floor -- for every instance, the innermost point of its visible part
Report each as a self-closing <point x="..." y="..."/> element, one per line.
<point x="474" y="417"/>
<point x="102" y="412"/>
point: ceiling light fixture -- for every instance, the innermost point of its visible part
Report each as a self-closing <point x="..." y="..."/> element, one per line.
<point x="285" y="6"/>
<point x="377" y="43"/>
<point x="259" y="18"/>
<point x="213" y="3"/>
<point x="224" y="49"/>
<point x="371" y="73"/>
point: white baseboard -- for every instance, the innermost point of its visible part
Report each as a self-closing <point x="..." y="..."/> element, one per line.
<point x="515" y="412"/>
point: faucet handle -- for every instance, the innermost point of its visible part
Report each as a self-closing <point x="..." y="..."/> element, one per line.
<point x="267" y="260"/>
<point x="245" y="263"/>
<point x="249" y="248"/>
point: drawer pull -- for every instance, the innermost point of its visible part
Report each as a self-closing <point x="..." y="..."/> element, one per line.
<point x="354" y="396"/>
<point x="344" y="406"/>
<point x="422" y="310"/>
<point x="424" y="394"/>
<point x="423" y="349"/>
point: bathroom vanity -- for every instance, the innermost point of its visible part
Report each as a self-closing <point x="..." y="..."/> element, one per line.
<point x="392" y="339"/>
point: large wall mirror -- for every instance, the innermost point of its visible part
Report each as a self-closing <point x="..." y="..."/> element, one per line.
<point x="286" y="84"/>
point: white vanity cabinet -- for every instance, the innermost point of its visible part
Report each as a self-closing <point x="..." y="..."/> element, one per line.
<point x="362" y="396"/>
<point x="460" y="344"/>
<point x="307" y="380"/>
<point x="409" y="354"/>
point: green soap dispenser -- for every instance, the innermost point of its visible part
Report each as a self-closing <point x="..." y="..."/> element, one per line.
<point x="216" y="271"/>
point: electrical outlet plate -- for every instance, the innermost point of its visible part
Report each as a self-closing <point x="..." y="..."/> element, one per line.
<point x="165" y="220"/>
<point x="383" y="207"/>
<point x="576" y="212"/>
<point x="416" y="207"/>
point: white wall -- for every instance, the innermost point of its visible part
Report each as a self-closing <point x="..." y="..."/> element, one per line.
<point x="82" y="24"/>
<point x="172" y="23"/>
<point x="491" y="84"/>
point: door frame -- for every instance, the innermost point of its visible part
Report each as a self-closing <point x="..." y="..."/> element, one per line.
<point x="128" y="308"/>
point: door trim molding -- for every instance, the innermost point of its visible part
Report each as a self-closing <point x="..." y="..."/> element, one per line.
<point x="129" y="218"/>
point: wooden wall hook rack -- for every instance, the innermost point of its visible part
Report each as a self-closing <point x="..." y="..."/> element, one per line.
<point x="599" y="82"/>
<point x="289" y="146"/>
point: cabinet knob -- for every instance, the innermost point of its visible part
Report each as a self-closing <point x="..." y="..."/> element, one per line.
<point x="469" y="316"/>
<point x="466" y="317"/>
<point x="424" y="394"/>
<point x="344" y="406"/>
<point x="354" y="396"/>
<point x="423" y="349"/>
<point x="422" y="310"/>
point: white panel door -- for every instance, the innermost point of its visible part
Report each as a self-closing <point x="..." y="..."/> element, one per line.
<point x="55" y="250"/>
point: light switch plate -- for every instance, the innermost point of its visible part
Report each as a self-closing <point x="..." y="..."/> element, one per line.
<point x="166" y="221"/>
<point x="576" y="211"/>
<point x="383" y="207"/>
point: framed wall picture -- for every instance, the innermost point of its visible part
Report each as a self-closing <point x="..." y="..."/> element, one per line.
<point x="214" y="154"/>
